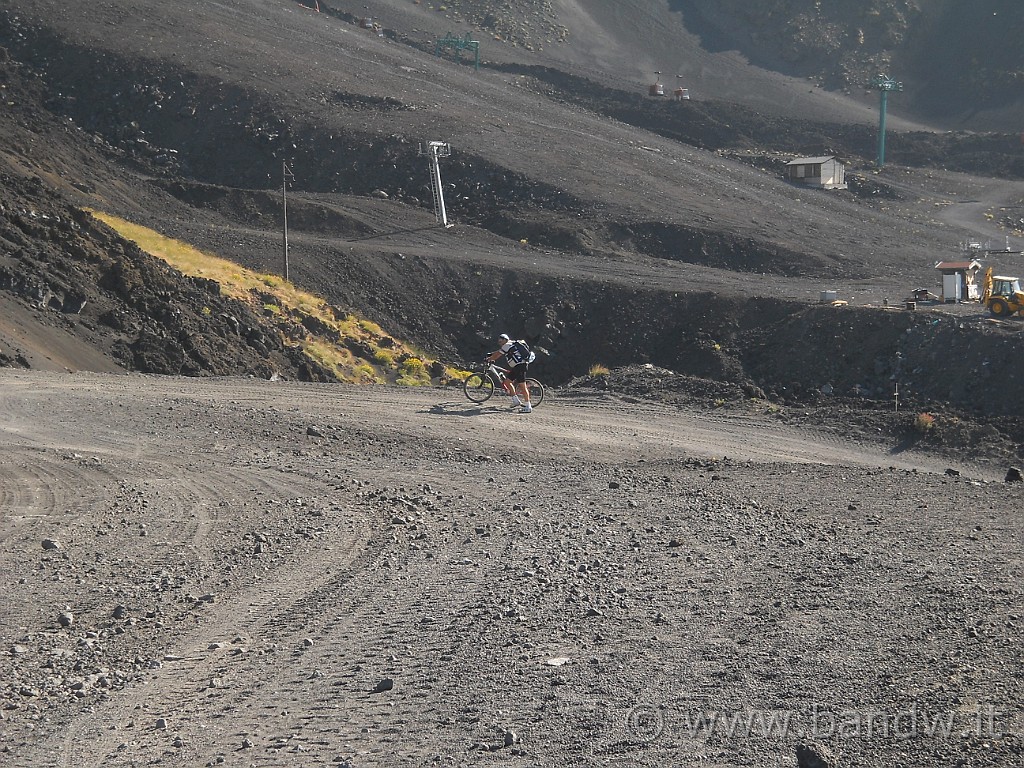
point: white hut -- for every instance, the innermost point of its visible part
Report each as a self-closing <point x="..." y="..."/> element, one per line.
<point x="823" y="172"/>
<point x="960" y="280"/>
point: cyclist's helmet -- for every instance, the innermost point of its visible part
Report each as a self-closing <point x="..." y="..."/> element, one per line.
<point x="504" y="337"/>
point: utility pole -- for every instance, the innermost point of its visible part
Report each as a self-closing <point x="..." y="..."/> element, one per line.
<point x="884" y="85"/>
<point x="434" y="151"/>
<point x="286" y="177"/>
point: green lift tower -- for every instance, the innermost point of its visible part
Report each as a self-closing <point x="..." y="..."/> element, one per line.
<point x="884" y="85"/>
<point x="458" y="45"/>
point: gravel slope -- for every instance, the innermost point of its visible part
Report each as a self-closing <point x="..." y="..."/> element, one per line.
<point x="244" y="565"/>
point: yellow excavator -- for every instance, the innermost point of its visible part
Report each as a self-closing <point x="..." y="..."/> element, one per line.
<point x="1002" y="295"/>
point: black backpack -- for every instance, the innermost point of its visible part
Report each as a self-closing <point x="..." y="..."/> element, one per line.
<point x="519" y="353"/>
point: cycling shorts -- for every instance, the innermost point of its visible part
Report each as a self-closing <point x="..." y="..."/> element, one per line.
<point x="518" y="374"/>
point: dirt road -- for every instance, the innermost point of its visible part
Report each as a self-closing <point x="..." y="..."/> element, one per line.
<point x="267" y="573"/>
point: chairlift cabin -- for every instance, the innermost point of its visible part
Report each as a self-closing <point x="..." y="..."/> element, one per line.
<point x="657" y="88"/>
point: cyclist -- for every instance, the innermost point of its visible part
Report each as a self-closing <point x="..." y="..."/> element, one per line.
<point x="518" y="357"/>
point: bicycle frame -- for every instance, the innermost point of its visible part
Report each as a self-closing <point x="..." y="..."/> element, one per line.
<point x="489" y="377"/>
<point x="499" y="375"/>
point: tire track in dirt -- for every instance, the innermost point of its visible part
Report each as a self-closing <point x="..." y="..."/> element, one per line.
<point x="34" y="485"/>
<point x="405" y="540"/>
<point x="318" y="651"/>
<point x="237" y="626"/>
<point x="397" y="617"/>
<point x="43" y="497"/>
<point x="178" y="495"/>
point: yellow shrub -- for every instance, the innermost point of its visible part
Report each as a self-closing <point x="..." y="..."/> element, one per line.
<point x="453" y="375"/>
<point x="413" y="373"/>
<point x="367" y="373"/>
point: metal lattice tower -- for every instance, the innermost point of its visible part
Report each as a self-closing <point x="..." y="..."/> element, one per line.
<point x="459" y="44"/>
<point x="884" y="86"/>
<point x="434" y="151"/>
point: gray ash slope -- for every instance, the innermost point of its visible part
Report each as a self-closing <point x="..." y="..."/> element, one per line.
<point x="609" y="227"/>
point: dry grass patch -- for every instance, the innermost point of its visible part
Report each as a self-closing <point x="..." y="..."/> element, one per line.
<point x="285" y="306"/>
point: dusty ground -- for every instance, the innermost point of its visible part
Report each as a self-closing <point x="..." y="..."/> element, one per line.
<point x="243" y="566"/>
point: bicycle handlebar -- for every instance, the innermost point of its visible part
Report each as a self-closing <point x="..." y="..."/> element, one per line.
<point x="484" y="365"/>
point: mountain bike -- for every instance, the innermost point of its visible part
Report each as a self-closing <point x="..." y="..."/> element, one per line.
<point x="487" y="378"/>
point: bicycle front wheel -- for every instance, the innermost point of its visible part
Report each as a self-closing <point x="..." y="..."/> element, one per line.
<point x="536" y="391"/>
<point x="478" y="387"/>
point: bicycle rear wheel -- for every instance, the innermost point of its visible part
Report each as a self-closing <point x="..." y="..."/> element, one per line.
<point x="536" y="391"/>
<point x="478" y="387"/>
